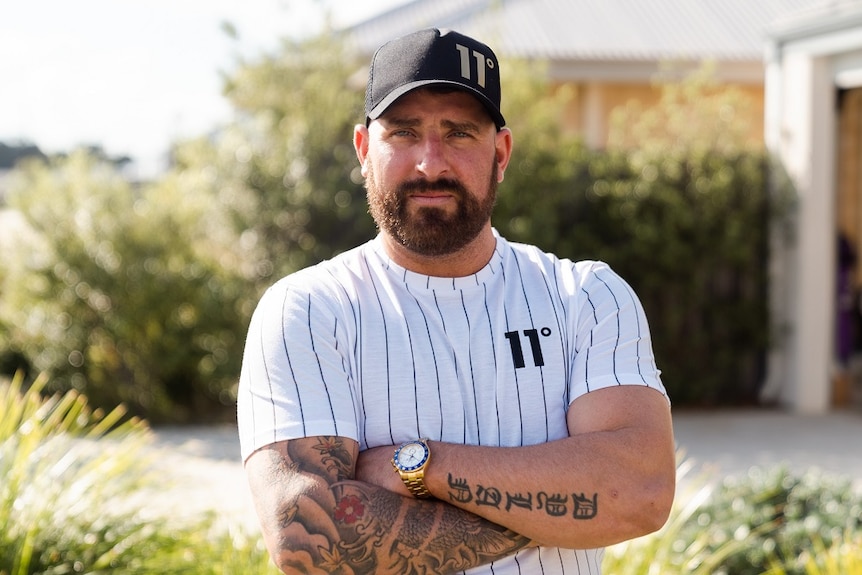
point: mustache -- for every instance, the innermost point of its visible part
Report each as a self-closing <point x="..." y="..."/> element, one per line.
<point x="449" y="185"/>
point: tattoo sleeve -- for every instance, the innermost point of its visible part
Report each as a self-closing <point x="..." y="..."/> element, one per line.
<point x="325" y="522"/>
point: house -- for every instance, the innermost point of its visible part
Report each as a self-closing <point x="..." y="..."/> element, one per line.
<point x="800" y="61"/>
<point x="813" y="103"/>
<point x="608" y="51"/>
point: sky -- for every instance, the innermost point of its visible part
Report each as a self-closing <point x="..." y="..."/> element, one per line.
<point x="132" y="76"/>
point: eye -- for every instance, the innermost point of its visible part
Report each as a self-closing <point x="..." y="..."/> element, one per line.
<point x="463" y="133"/>
<point x="401" y="133"/>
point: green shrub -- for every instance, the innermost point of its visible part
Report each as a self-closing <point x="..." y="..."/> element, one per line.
<point x="778" y="515"/>
<point x="126" y="294"/>
<point x="68" y="478"/>
<point x="843" y="557"/>
<point x="141" y="294"/>
<point x="681" y="204"/>
<point x="769" y="522"/>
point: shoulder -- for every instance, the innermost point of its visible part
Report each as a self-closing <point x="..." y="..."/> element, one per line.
<point x="331" y="279"/>
<point x="574" y="275"/>
<point x="344" y="267"/>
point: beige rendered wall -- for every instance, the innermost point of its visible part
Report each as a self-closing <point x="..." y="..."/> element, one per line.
<point x="593" y="104"/>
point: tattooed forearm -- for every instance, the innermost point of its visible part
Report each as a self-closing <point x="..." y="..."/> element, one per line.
<point x="323" y="521"/>
<point x="418" y="536"/>
<point x="576" y="506"/>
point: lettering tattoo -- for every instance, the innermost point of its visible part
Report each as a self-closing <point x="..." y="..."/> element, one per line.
<point x="554" y="505"/>
<point x="518" y="500"/>
<point x="585" y="507"/>
<point x="460" y="491"/>
<point x="578" y="506"/>
<point x="488" y="496"/>
<point x="355" y="528"/>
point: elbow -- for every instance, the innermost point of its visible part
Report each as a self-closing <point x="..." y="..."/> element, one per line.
<point x="654" y="506"/>
<point x="290" y="560"/>
<point x="644" y="512"/>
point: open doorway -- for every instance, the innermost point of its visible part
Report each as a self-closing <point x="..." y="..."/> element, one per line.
<point x="847" y="377"/>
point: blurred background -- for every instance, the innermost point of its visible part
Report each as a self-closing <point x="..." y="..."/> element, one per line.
<point x="688" y="145"/>
<point x="163" y="162"/>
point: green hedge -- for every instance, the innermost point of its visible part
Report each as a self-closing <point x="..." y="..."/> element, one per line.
<point x="690" y="232"/>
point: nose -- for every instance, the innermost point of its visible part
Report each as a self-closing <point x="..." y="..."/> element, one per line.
<point x="431" y="161"/>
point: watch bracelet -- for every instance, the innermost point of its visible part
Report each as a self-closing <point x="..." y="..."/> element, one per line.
<point x="416" y="486"/>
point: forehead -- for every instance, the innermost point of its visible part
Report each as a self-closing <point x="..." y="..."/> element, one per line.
<point x="449" y="103"/>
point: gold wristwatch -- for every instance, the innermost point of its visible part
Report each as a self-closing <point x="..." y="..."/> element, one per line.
<point x="410" y="461"/>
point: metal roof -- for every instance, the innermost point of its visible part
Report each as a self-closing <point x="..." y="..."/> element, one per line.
<point x="594" y="30"/>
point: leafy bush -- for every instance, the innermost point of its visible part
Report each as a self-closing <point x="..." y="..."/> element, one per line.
<point x="128" y="295"/>
<point x="681" y="205"/>
<point x="843" y="557"/>
<point x="142" y="294"/>
<point x="68" y="477"/>
<point x="769" y="522"/>
<point x="778" y="515"/>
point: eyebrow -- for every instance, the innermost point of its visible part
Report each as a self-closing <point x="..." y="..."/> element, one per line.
<point x="396" y="122"/>
<point x="465" y="126"/>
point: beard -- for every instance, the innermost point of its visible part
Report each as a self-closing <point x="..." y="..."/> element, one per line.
<point x="431" y="231"/>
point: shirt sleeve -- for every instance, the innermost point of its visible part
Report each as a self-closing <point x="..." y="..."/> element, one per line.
<point x="612" y="337"/>
<point x="294" y="380"/>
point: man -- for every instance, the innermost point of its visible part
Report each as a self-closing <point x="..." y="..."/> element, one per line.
<point x="440" y="400"/>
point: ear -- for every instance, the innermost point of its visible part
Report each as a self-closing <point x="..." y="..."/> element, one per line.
<point x="360" y="144"/>
<point x="503" y="151"/>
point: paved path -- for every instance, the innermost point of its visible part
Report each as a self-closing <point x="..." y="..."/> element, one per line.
<point x="201" y="470"/>
<point x="733" y="442"/>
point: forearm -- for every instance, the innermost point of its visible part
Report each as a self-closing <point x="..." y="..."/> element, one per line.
<point x="315" y="519"/>
<point x="563" y="506"/>
<point x="591" y="489"/>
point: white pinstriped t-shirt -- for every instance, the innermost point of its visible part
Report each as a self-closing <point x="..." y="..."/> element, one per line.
<point x="359" y="347"/>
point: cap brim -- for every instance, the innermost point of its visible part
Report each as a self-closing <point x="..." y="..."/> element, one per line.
<point x="390" y="98"/>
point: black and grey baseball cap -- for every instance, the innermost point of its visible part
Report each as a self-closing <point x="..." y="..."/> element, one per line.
<point x="430" y="57"/>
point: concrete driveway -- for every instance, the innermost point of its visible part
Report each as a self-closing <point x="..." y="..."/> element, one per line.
<point x="731" y="442"/>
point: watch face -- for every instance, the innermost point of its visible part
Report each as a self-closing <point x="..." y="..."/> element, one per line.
<point x="411" y="456"/>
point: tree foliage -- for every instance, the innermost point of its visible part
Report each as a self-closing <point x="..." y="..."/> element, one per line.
<point x="286" y="169"/>
<point x="142" y="295"/>
<point x="119" y="292"/>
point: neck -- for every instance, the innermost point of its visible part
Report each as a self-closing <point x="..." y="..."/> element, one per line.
<point x="466" y="261"/>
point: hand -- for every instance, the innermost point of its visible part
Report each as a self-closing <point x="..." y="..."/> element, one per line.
<point x="374" y="466"/>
